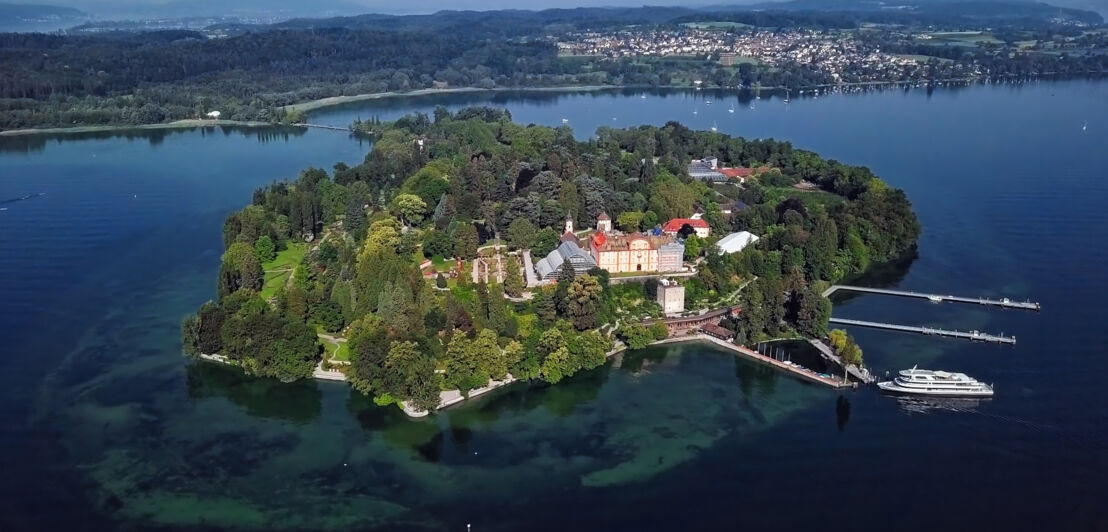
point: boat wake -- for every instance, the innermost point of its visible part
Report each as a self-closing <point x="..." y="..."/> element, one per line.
<point x="21" y="198"/>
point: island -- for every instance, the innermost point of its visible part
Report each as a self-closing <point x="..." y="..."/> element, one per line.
<point x="468" y="251"/>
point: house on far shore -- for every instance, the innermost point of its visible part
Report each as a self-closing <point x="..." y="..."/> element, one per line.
<point x="674" y="226"/>
<point x="736" y="242"/>
<point x="214" y="115"/>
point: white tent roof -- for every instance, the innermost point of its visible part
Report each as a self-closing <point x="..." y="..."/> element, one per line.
<point x="735" y="242"/>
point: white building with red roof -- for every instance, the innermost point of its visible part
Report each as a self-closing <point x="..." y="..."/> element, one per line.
<point x="674" y="226"/>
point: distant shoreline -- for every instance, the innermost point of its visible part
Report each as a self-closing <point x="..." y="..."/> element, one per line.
<point x="308" y="106"/>
<point x="331" y="101"/>
<point x="177" y="124"/>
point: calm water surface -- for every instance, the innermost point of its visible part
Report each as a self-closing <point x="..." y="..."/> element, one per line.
<point x="107" y="426"/>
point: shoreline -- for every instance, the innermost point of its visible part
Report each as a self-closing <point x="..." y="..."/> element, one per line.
<point x="331" y="101"/>
<point x="188" y="123"/>
<point x="449" y="398"/>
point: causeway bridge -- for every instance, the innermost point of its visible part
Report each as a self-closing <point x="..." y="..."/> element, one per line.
<point x="972" y="335"/>
<point x="937" y="298"/>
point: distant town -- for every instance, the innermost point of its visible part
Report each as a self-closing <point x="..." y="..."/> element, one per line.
<point x="839" y="55"/>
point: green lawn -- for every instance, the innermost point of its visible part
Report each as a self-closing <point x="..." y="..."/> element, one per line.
<point x="742" y="59"/>
<point x="343" y="353"/>
<point x="775" y="195"/>
<point x="278" y="271"/>
<point x="338" y="351"/>
<point x="961" y="38"/>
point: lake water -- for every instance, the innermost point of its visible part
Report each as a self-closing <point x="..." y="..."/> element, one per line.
<point x="107" y="425"/>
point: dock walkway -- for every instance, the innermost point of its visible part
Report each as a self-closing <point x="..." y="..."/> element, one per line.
<point x="1003" y="302"/>
<point x="972" y="335"/>
<point x="862" y="374"/>
<point x="803" y="373"/>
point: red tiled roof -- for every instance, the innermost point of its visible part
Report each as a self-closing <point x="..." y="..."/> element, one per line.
<point x="603" y="216"/>
<point x="676" y="224"/>
<point x="737" y="172"/>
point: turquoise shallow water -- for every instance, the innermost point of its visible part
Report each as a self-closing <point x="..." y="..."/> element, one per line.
<point x="109" y="426"/>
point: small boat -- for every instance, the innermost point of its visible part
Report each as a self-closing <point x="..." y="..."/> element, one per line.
<point x="714" y="128"/>
<point x="732" y="109"/>
<point x="935" y="299"/>
<point x="708" y="102"/>
<point x="643" y="96"/>
<point x="565" y="120"/>
<point x="1085" y="126"/>
<point x="935" y="383"/>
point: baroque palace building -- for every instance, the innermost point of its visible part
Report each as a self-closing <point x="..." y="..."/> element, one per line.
<point x="613" y="251"/>
<point x="636" y="252"/>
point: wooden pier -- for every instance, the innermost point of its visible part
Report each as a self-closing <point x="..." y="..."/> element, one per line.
<point x="937" y="298"/>
<point x="972" y="335"/>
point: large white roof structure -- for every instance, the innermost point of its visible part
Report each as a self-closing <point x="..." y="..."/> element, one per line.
<point x="735" y="242"/>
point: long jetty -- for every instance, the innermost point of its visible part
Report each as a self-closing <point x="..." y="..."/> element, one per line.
<point x="972" y="335"/>
<point x="938" y="298"/>
<point x="325" y="126"/>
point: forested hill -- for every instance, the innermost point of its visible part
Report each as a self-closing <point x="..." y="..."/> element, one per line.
<point x="246" y="72"/>
<point x="382" y="252"/>
<point x="29" y="17"/>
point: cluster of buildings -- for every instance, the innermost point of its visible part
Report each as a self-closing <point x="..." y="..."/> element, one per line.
<point x="638" y="43"/>
<point x="708" y="169"/>
<point x="834" y="53"/>
<point x="660" y="251"/>
<point x="616" y="252"/>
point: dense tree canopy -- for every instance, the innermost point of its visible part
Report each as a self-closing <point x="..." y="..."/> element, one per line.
<point x="369" y="230"/>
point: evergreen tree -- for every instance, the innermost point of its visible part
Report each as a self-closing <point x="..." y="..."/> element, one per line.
<point x="513" y="279"/>
<point x="465" y="241"/>
<point x="561" y="292"/>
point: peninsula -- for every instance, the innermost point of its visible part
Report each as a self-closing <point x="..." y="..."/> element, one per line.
<point x="468" y="250"/>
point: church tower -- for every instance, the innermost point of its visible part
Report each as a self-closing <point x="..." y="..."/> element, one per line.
<point x="569" y="224"/>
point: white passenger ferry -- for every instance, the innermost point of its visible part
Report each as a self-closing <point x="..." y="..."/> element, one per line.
<point x="936" y="383"/>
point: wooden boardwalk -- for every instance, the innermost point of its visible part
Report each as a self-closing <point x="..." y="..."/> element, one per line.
<point x="937" y="298"/>
<point x="972" y="335"/>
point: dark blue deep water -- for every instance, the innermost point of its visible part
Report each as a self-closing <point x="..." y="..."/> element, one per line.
<point x="106" y="425"/>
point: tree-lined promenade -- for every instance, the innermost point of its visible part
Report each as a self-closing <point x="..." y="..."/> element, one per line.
<point x="377" y="260"/>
